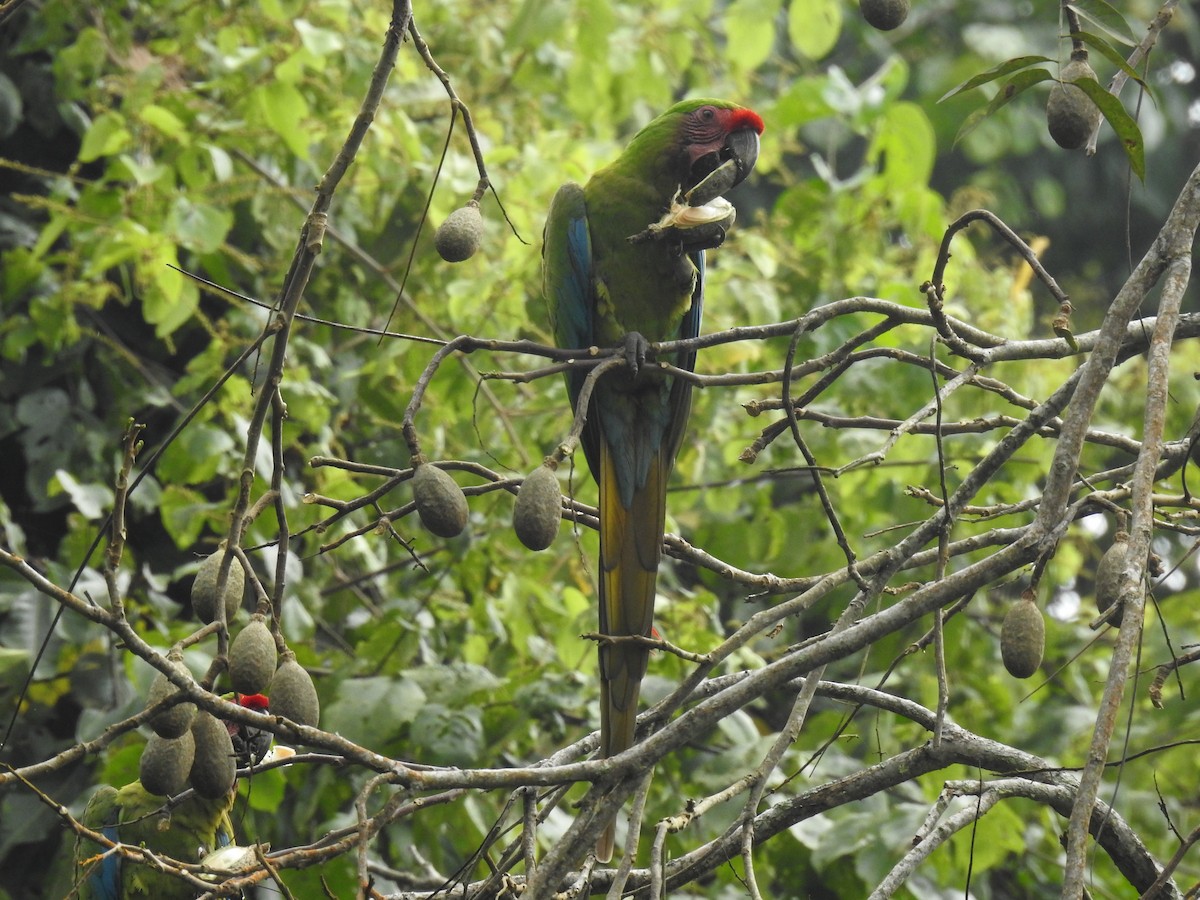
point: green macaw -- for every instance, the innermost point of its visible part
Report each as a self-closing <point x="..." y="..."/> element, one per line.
<point x="623" y="265"/>
<point x="132" y="815"/>
<point x="187" y="832"/>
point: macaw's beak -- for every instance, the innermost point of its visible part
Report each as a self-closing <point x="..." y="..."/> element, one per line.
<point x="725" y="168"/>
<point x="742" y="148"/>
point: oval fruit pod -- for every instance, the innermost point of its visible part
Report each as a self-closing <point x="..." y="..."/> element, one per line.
<point x="441" y="503"/>
<point x="214" y="768"/>
<point x="1108" y="576"/>
<point x="538" y="509"/>
<point x="293" y="694"/>
<point x="166" y="763"/>
<point x="459" y="237"/>
<point x="1071" y="115"/>
<point x="204" y="588"/>
<point x="1023" y="639"/>
<point x="252" y="657"/>
<point x="173" y="722"/>
<point x="884" y="15"/>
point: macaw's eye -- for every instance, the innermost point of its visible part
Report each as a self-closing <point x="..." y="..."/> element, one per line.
<point x="707" y="113"/>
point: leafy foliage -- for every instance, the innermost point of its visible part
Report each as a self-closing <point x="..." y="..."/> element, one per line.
<point x="158" y="165"/>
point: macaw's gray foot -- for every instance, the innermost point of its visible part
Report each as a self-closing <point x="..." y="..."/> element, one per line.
<point x="635" y="349"/>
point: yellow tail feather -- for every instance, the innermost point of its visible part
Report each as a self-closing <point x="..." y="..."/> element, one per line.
<point x="630" y="549"/>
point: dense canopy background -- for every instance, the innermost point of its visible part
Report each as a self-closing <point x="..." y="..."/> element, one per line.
<point x="148" y="136"/>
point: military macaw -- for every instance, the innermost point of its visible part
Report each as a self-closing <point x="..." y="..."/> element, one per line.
<point x="623" y="266"/>
<point x="186" y="832"/>
<point x="132" y="815"/>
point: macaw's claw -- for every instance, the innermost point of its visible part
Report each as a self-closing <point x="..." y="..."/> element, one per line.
<point x="635" y="349"/>
<point x="707" y="237"/>
<point x="692" y="227"/>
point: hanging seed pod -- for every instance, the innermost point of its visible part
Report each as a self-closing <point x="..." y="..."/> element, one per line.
<point x="538" y="509"/>
<point x="457" y="238"/>
<point x="173" y="722"/>
<point x="441" y="503"/>
<point x="1023" y="639"/>
<point x="1108" y="576"/>
<point x="884" y="14"/>
<point x="252" y="657"/>
<point x="214" y="767"/>
<point x="165" y="764"/>
<point x="204" y="588"/>
<point x="292" y="693"/>
<point x="1071" y="115"/>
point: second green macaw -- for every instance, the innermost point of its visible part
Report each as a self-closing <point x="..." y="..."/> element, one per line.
<point x="604" y="289"/>
<point x="132" y="815"/>
<point x="185" y="831"/>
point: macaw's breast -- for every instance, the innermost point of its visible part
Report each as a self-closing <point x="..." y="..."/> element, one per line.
<point x="645" y="287"/>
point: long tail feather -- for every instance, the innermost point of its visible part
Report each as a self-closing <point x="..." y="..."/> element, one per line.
<point x="630" y="549"/>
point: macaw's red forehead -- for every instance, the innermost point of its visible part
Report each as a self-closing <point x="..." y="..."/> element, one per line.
<point x="739" y="117"/>
<point x="254" y="701"/>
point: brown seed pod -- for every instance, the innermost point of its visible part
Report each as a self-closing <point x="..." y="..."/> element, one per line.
<point x="1023" y="639"/>
<point x="252" y="657"/>
<point x="1071" y="115"/>
<point x="214" y="767"/>
<point x="538" y="509"/>
<point x="460" y="235"/>
<point x="441" y="503"/>
<point x="165" y="764"/>
<point x="176" y="721"/>
<point x="292" y="693"/>
<point x="884" y="14"/>
<point x="1108" y="576"/>
<point x="204" y="588"/>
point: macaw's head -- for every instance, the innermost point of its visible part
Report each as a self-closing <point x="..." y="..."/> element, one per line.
<point x="694" y="138"/>
<point x="713" y="133"/>
<point x="250" y="745"/>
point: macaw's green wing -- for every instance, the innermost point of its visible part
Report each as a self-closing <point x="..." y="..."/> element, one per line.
<point x="569" y="287"/>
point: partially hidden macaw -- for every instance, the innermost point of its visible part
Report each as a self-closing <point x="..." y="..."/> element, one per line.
<point x="623" y="267"/>
<point x="132" y="815"/>
<point x="186" y="832"/>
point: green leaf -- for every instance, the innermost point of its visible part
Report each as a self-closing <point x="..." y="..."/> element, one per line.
<point x="1122" y="123"/>
<point x="198" y="226"/>
<point x="750" y="27"/>
<point x="166" y="122"/>
<point x="372" y="710"/>
<point x="185" y="513"/>
<point x="1106" y="18"/>
<point x="1016" y="85"/>
<point x="535" y="24"/>
<point x="14" y="666"/>
<point x="106" y="136"/>
<point x="92" y="500"/>
<point x="802" y="103"/>
<point x="907" y="145"/>
<point x="318" y="41"/>
<point x="198" y="454"/>
<point x="1109" y="52"/>
<point x="1005" y="68"/>
<point x="449" y="735"/>
<point x="144" y="172"/>
<point x="284" y="109"/>
<point x="814" y="26"/>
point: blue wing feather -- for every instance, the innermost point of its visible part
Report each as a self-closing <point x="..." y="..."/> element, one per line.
<point x="105" y="879"/>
